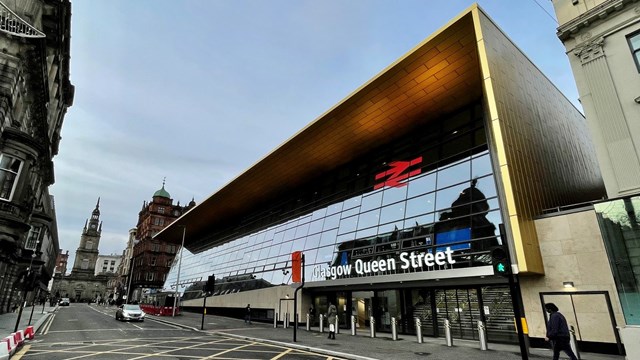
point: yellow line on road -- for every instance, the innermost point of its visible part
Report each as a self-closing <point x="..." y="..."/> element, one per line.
<point x="48" y="325"/>
<point x="20" y="353"/>
<point x="281" y="354"/>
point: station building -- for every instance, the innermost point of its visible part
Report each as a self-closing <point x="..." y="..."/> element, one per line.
<point x="397" y="194"/>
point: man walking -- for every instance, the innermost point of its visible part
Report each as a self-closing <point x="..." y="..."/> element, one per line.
<point x="558" y="332"/>
<point x="247" y="315"/>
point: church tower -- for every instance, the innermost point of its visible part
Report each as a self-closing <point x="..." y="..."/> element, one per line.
<point x="87" y="252"/>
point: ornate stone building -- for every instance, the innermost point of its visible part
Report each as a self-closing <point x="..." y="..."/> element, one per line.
<point x="82" y="284"/>
<point x="152" y="258"/>
<point x="35" y="93"/>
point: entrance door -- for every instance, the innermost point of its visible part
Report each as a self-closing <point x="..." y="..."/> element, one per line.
<point x="419" y="306"/>
<point x="460" y="307"/>
<point x="386" y="306"/>
<point x="361" y="307"/>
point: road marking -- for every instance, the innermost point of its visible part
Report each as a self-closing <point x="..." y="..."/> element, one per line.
<point x="137" y="326"/>
<point x="46" y="328"/>
<point x="72" y="320"/>
<point x="281" y="354"/>
<point x="229" y="350"/>
<point x="20" y="353"/>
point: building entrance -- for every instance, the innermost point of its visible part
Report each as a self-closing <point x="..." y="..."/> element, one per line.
<point x="463" y="307"/>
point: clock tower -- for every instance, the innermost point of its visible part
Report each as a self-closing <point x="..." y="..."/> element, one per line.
<point x="87" y="252"/>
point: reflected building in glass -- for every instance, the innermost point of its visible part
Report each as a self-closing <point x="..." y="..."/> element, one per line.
<point x="397" y="195"/>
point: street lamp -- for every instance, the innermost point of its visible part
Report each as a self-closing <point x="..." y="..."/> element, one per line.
<point x="131" y="266"/>
<point x="175" y="298"/>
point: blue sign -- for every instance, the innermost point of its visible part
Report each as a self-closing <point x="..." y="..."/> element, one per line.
<point x="454" y="236"/>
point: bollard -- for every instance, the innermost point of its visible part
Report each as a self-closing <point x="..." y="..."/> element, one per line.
<point x="573" y="342"/>
<point x="419" y="330"/>
<point x="447" y="332"/>
<point x="336" y="325"/>
<point x="372" y="326"/>
<point x="275" y="319"/>
<point x="321" y="323"/>
<point x="286" y="320"/>
<point x="482" y="335"/>
<point x="354" y="321"/>
<point x="394" y="328"/>
<point x="308" y="322"/>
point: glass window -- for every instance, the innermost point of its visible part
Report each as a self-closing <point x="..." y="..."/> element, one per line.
<point x="319" y="214"/>
<point x="392" y="195"/>
<point x="312" y="241"/>
<point x="446" y="197"/>
<point x="487" y="186"/>
<point x="33" y="238"/>
<point x="354" y="202"/>
<point x="348" y="225"/>
<point x="325" y="255"/>
<point x="422" y="185"/>
<point x="371" y="201"/>
<point x="420" y="205"/>
<point x="481" y="166"/>
<point x="302" y="230"/>
<point x="286" y="248"/>
<point x="454" y="174"/>
<point x="289" y="234"/>
<point x="392" y="213"/>
<point x="366" y="233"/>
<point x="316" y="226"/>
<point x="331" y="222"/>
<point x="368" y="219"/>
<point x="329" y="237"/>
<point x="335" y="208"/>
<point x="388" y="228"/>
<point x="634" y="44"/>
<point x="9" y="169"/>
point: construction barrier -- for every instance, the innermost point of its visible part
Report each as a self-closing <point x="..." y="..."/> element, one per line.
<point x="11" y="343"/>
<point x="7" y="345"/>
<point x="17" y="336"/>
<point x="5" y="351"/>
<point x="29" y="333"/>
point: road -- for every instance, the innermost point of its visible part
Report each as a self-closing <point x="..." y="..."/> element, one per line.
<point x="82" y="331"/>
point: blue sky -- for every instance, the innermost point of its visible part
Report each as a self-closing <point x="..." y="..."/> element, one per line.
<point x="197" y="91"/>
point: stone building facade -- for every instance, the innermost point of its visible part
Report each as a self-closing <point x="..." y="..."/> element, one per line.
<point x="82" y="284"/>
<point x="35" y="93"/>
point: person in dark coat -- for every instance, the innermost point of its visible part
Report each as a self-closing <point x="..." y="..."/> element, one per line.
<point x="332" y="313"/>
<point x="247" y="314"/>
<point x="558" y="332"/>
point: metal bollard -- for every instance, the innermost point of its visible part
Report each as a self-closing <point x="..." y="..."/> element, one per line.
<point x="447" y="332"/>
<point x="482" y="335"/>
<point x="354" y="321"/>
<point x="573" y="342"/>
<point x="275" y="319"/>
<point x="286" y="320"/>
<point x="308" y="322"/>
<point x="419" y="330"/>
<point x="394" y="328"/>
<point x="337" y="322"/>
<point x="321" y="323"/>
<point x="372" y="326"/>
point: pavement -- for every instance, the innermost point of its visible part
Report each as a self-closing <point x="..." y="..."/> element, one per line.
<point x="361" y="346"/>
<point x="39" y="316"/>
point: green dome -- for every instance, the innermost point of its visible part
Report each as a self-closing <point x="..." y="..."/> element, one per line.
<point x="162" y="193"/>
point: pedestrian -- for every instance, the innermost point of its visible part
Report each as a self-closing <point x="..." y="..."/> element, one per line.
<point x="558" y="332"/>
<point x="247" y="314"/>
<point x="331" y="319"/>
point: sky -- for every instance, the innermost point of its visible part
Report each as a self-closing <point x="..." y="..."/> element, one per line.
<point x="197" y="91"/>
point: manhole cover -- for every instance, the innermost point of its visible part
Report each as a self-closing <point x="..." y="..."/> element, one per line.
<point x="422" y="353"/>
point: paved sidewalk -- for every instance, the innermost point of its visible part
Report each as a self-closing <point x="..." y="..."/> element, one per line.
<point x="360" y="346"/>
<point x="8" y="320"/>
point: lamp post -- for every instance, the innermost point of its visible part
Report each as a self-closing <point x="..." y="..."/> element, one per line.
<point x="175" y="298"/>
<point x="131" y="266"/>
<point x="28" y="278"/>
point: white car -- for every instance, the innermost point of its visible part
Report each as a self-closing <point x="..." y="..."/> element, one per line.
<point x="130" y="312"/>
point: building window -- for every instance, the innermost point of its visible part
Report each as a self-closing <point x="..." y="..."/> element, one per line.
<point x="85" y="264"/>
<point x="158" y="221"/>
<point x="9" y="170"/>
<point x="155" y="247"/>
<point x="634" y="44"/>
<point x="150" y="276"/>
<point x="89" y="245"/>
<point x="153" y="261"/>
<point x="161" y="209"/>
<point x="33" y="238"/>
<point x="113" y="262"/>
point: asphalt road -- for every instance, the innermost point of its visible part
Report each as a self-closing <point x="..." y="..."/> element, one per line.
<point x="82" y="331"/>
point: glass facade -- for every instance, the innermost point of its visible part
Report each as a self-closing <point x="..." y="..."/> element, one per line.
<point x="433" y="190"/>
<point x="619" y="223"/>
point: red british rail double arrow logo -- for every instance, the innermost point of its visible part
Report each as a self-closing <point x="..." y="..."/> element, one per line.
<point x="397" y="175"/>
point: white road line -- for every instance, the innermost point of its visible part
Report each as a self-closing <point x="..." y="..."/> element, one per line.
<point x="46" y="329"/>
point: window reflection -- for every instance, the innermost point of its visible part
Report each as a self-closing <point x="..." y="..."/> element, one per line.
<point x="422" y="185"/>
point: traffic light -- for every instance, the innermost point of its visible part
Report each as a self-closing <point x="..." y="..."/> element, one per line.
<point x="211" y="282"/>
<point x="500" y="261"/>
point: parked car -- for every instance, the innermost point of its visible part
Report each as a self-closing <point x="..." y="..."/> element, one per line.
<point x="130" y="312"/>
<point x="64" y="302"/>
